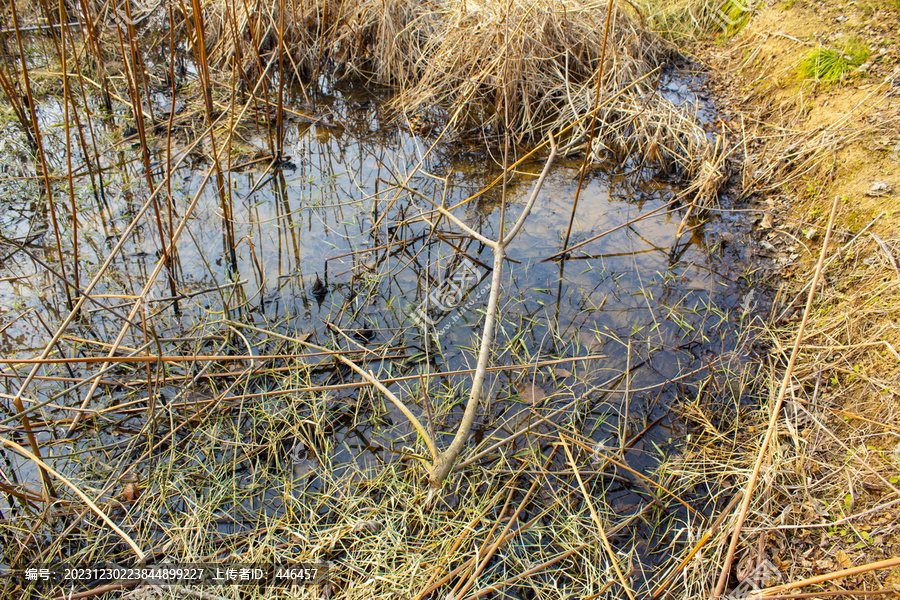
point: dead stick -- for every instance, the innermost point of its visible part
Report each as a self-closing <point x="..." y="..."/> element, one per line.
<point x="596" y="518"/>
<point x="889" y="563"/>
<point x="881" y="592"/>
<point x="590" y="144"/>
<point x="152" y="358"/>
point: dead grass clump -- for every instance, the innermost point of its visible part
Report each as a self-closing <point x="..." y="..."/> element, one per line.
<point x="363" y="38"/>
<point x="457" y="60"/>
<point x="827" y="494"/>
<point x="652" y="131"/>
<point x="526" y="57"/>
<point x="485" y="70"/>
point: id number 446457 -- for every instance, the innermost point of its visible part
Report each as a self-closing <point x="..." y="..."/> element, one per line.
<point x="297" y="573"/>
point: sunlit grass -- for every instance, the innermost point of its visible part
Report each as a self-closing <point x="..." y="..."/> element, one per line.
<point x="828" y="64"/>
<point x="689" y="20"/>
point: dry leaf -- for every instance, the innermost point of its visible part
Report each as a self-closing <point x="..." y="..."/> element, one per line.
<point x="842" y="559"/>
<point x="562" y="372"/>
<point x="531" y="393"/>
<point x="131" y="492"/>
<point x="879" y="188"/>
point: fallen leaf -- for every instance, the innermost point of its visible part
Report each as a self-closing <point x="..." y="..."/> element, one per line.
<point x="562" y="372"/>
<point x="842" y="559"/>
<point x="531" y="393"/>
<point x="131" y="492"/>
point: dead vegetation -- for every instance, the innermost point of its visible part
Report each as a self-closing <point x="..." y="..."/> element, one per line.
<point x="464" y="69"/>
<point x="233" y="455"/>
<point x="476" y="69"/>
<point x="826" y="501"/>
<point x="823" y="516"/>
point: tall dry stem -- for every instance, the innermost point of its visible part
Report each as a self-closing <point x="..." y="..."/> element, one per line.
<point x="775" y="411"/>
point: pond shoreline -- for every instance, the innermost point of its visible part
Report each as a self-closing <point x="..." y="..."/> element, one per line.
<point x="629" y="383"/>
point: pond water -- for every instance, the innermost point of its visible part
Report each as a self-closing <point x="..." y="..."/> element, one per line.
<point x="339" y="243"/>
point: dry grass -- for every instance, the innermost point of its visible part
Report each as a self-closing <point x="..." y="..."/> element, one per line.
<point x="223" y="482"/>
<point x="528" y="57"/>
<point x="245" y="477"/>
<point x="828" y="487"/>
<point x="826" y="502"/>
<point x="466" y="69"/>
<point x="486" y="70"/>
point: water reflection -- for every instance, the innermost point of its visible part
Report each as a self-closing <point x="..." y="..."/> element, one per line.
<point x="340" y="243"/>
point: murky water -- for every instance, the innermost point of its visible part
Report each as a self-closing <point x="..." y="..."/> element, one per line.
<point x="351" y="209"/>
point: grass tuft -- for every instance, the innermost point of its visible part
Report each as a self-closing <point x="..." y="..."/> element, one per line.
<point x="828" y="64"/>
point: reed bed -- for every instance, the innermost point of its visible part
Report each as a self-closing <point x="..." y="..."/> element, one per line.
<point x="511" y="71"/>
<point x="459" y="70"/>
<point x="245" y="469"/>
<point x="231" y="456"/>
<point x="219" y="444"/>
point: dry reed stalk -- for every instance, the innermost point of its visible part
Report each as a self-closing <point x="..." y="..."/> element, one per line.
<point x="175" y="235"/>
<point x="592" y="128"/>
<point x="613" y="559"/>
<point x="775" y="410"/>
<point x="891" y="563"/>
<point x="36" y="131"/>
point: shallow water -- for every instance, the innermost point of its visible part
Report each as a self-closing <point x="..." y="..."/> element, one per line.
<point x="638" y="297"/>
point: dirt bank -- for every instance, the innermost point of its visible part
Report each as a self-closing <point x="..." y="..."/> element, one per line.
<point x="804" y="141"/>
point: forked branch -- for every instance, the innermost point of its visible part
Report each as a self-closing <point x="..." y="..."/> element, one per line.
<point x="444" y="462"/>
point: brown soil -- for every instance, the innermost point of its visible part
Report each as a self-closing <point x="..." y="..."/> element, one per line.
<point x="836" y="139"/>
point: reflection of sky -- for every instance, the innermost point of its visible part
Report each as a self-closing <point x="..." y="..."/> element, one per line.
<point x="684" y="89"/>
<point x="288" y="222"/>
